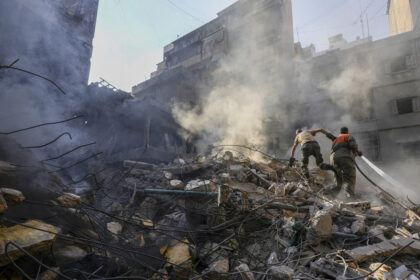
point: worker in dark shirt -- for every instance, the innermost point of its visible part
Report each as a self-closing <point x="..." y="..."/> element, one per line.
<point x="310" y="147"/>
<point x="343" y="151"/>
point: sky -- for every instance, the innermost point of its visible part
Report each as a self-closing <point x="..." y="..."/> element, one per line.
<point x="130" y="34"/>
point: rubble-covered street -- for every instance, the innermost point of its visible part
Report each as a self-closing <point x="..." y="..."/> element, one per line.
<point x="213" y="216"/>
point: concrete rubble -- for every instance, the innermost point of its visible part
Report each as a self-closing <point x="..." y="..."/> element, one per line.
<point x="216" y="216"/>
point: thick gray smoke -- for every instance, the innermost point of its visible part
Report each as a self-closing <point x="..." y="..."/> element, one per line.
<point x="238" y="107"/>
<point x="242" y="98"/>
<point x="50" y="38"/>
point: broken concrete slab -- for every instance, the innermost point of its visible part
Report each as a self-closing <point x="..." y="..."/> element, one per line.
<point x="32" y="236"/>
<point x="382" y="249"/>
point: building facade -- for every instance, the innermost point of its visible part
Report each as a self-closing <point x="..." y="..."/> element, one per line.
<point x="403" y="15"/>
<point x="242" y="30"/>
<point x="373" y="88"/>
<point x="51" y="38"/>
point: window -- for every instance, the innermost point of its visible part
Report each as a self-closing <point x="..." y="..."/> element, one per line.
<point x="403" y="63"/>
<point x="406" y="105"/>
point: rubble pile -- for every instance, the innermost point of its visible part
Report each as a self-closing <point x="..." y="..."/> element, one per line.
<point x="211" y="217"/>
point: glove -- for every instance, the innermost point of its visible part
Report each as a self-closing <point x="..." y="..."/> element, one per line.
<point x="359" y="153"/>
<point x="292" y="161"/>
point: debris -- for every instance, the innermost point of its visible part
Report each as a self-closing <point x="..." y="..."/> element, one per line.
<point x="69" y="200"/>
<point x="358" y="226"/>
<point x="178" y="252"/>
<point x="246" y="274"/>
<point x="281" y="272"/>
<point x="380" y="273"/>
<point x="382" y="249"/>
<point x="176" y="184"/>
<point x="69" y="254"/>
<point x="12" y="196"/>
<point x="114" y="227"/>
<point x="322" y="223"/>
<point x="138" y="165"/>
<point x="32" y="236"/>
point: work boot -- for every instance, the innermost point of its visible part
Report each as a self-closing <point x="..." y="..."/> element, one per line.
<point x="326" y="166"/>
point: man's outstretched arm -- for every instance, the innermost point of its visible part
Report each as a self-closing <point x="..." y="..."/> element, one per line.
<point x="294" y="150"/>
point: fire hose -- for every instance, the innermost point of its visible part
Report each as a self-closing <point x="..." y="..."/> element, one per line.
<point x="387" y="178"/>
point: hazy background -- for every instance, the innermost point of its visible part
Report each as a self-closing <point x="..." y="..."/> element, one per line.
<point x="130" y="34"/>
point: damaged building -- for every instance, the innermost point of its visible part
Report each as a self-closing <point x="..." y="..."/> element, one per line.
<point x="188" y="62"/>
<point x="122" y="191"/>
<point x="371" y="86"/>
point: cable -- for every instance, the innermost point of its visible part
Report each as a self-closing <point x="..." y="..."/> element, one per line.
<point x="39" y="125"/>
<point x="320" y="15"/>
<point x="32" y="257"/>
<point x="32" y="73"/>
<point x="66" y="153"/>
<point x="185" y="12"/>
<point x="76" y="163"/>
<point x="46" y="144"/>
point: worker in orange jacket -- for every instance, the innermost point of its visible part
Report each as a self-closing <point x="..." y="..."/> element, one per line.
<point x="343" y="151"/>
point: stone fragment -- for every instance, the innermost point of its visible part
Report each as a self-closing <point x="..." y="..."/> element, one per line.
<point x="12" y="196"/>
<point x="49" y="275"/>
<point x="221" y="265"/>
<point x="413" y="223"/>
<point x="322" y="223"/>
<point x="69" y="254"/>
<point x="179" y="161"/>
<point x="176" y="184"/>
<point x="245" y="272"/>
<point x="69" y="200"/>
<point x="114" y="227"/>
<point x="26" y="236"/>
<point x="402" y="272"/>
<point x="281" y="272"/>
<point x="358" y="226"/>
<point x="178" y="252"/>
<point x="224" y="178"/>
<point x="376" y="210"/>
<point x="272" y="259"/>
<point x="168" y="175"/>
<point x="199" y="185"/>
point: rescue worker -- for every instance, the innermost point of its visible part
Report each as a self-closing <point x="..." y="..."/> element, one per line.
<point x="309" y="147"/>
<point x="344" y="150"/>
